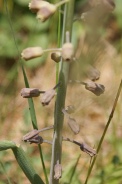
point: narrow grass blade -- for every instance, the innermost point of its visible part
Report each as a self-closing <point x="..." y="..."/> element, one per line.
<point x="105" y="130"/>
<point x="4" y="171"/>
<point x="74" y="169"/>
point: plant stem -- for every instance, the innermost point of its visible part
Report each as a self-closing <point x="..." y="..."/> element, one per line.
<point x="61" y="94"/>
<point x="105" y="130"/>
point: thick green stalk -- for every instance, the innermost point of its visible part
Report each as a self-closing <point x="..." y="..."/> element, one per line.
<point x="61" y="94"/>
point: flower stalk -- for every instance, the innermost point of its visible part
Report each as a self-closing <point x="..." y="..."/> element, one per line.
<point x="61" y="94"/>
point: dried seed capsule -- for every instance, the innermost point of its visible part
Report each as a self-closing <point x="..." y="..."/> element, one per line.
<point x="57" y="170"/>
<point x="30" y="92"/>
<point x="95" y="88"/>
<point x="45" y="11"/>
<point x="32" y="52"/>
<point x="56" y="56"/>
<point x="73" y="125"/>
<point x="67" y="51"/>
<point x="33" y="137"/>
<point x="47" y="97"/>
<point x="87" y="149"/>
<point x="35" y="5"/>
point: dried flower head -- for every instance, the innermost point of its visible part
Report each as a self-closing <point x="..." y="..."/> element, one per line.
<point x="70" y="109"/>
<point x="67" y="51"/>
<point x="87" y="149"/>
<point x="46" y="10"/>
<point x="32" y="52"/>
<point x="33" y="137"/>
<point x="73" y="125"/>
<point x="95" y="88"/>
<point x="35" y="5"/>
<point x="30" y="92"/>
<point x="48" y="96"/>
<point x="58" y="171"/>
<point x="56" y="56"/>
<point x="93" y="73"/>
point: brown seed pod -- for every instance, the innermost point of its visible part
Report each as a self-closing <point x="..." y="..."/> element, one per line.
<point x="56" y="56"/>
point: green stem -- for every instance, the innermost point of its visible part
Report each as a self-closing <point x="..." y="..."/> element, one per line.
<point x="61" y="94"/>
<point x="104" y="132"/>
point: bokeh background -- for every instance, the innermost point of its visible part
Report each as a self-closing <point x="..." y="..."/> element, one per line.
<point x="19" y="29"/>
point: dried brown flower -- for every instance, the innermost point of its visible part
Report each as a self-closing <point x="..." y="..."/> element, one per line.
<point x="70" y="109"/>
<point x="30" y="92"/>
<point x="46" y="10"/>
<point x="32" y="52"/>
<point x="48" y="96"/>
<point x="33" y="137"/>
<point x="35" y="5"/>
<point x="67" y="51"/>
<point x="95" y="88"/>
<point x="73" y="125"/>
<point x="93" y="73"/>
<point x="58" y="171"/>
<point x="87" y="149"/>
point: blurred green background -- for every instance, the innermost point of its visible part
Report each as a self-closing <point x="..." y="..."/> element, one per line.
<point x="20" y="29"/>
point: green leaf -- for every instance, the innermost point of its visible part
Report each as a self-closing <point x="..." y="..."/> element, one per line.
<point x="4" y="145"/>
<point x="22" y="160"/>
<point x="26" y="166"/>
